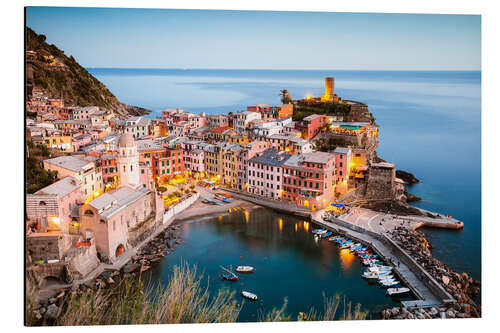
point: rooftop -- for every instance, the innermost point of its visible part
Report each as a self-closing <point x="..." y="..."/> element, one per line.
<point x="271" y="157"/>
<point x="112" y="202"/>
<point x="69" y="162"/>
<point x="60" y="188"/>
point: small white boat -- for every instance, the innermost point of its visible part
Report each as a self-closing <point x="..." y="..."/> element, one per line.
<point x="245" y="269"/>
<point x="376" y="268"/>
<point x="397" y="291"/>
<point x="389" y="283"/>
<point x="249" y="295"/>
<point x="371" y="276"/>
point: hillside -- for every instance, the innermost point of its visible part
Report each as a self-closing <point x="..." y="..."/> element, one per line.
<point x="48" y="68"/>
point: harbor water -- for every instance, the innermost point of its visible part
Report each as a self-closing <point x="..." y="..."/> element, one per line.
<point x="289" y="263"/>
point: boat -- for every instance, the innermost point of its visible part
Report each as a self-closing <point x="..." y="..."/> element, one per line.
<point x="397" y="291"/>
<point x="229" y="276"/>
<point x="249" y="295"/>
<point x="219" y="203"/>
<point x="370" y="276"/>
<point x="333" y="239"/>
<point x="245" y="269"/>
<point x="326" y="234"/>
<point x="226" y="200"/>
<point x="377" y="268"/>
<point x="386" y="279"/>
<point x="394" y="284"/>
<point x="318" y="231"/>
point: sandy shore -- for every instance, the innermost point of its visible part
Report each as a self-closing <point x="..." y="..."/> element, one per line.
<point x="202" y="210"/>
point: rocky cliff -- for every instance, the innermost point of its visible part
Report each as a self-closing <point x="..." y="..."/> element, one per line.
<point x="61" y="76"/>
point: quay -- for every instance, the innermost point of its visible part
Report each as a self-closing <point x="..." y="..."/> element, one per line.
<point x="363" y="227"/>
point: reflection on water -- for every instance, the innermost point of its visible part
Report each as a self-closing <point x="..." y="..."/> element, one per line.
<point x="346" y="258"/>
<point x="288" y="261"/>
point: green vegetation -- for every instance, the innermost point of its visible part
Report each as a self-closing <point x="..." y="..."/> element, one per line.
<point x="329" y="144"/>
<point x="72" y="81"/>
<point x="183" y="300"/>
<point x="36" y="176"/>
<point x="307" y="108"/>
<point x="285" y="96"/>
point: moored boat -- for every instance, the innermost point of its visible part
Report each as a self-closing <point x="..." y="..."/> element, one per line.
<point x="325" y="234"/>
<point x="249" y="295"/>
<point x="397" y="291"/>
<point x="245" y="269"/>
<point x="319" y="231"/>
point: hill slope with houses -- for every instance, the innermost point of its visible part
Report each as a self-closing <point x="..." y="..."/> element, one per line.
<point x="60" y="76"/>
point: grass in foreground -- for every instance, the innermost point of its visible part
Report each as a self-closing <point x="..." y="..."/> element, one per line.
<point x="183" y="300"/>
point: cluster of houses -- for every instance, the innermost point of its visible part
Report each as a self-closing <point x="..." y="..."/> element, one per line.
<point x="108" y="169"/>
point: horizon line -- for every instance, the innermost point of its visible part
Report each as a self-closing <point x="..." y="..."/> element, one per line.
<point x="293" y="69"/>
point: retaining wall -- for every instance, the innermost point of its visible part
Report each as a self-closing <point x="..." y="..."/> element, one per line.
<point x="178" y="208"/>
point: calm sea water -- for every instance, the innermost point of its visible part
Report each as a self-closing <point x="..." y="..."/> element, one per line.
<point x="289" y="263"/>
<point x="430" y="125"/>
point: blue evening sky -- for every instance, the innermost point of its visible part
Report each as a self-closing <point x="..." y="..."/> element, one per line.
<point x="162" y="38"/>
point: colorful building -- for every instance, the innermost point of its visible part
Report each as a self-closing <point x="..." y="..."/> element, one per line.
<point x="309" y="179"/>
<point x="311" y="125"/>
<point x="265" y="173"/>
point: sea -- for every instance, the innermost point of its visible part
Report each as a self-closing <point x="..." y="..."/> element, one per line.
<point x="430" y="125"/>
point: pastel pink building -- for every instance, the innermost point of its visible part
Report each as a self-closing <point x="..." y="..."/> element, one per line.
<point x="193" y="160"/>
<point x="251" y="149"/>
<point x="52" y="208"/>
<point x="309" y="179"/>
<point x="81" y="140"/>
<point x="343" y="158"/>
<point x="265" y="173"/>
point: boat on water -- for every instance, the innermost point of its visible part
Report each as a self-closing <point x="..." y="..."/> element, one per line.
<point x="394" y="284"/>
<point x="374" y="275"/>
<point x="249" y="295"/>
<point x="397" y="291"/>
<point x="319" y="231"/>
<point x="325" y="234"/>
<point x="245" y="269"/>
<point x="229" y="276"/>
<point x="378" y="268"/>
<point x="333" y="239"/>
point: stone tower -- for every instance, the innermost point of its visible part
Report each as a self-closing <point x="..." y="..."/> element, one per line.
<point x="329" y="86"/>
<point x="128" y="161"/>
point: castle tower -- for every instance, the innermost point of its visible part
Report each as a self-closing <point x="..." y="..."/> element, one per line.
<point x="329" y="86"/>
<point x="128" y="161"/>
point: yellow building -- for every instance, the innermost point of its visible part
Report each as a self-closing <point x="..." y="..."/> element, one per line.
<point x="230" y="165"/>
<point x="59" y="142"/>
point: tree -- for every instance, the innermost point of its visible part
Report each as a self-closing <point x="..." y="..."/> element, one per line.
<point x="285" y="96"/>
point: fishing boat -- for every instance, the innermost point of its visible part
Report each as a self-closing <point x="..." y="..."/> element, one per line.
<point x="245" y="269"/>
<point x="249" y="295"/>
<point x="378" y="268"/>
<point x="333" y="239"/>
<point x="386" y="278"/>
<point x="326" y="234"/>
<point x="226" y="200"/>
<point x="370" y="276"/>
<point x="397" y="291"/>
<point x="394" y="284"/>
<point x="318" y="231"/>
<point x="228" y="275"/>
<point x="219" y="203"/>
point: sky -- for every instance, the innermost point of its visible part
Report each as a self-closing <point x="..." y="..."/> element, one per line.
<point x="164" y="38"/>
